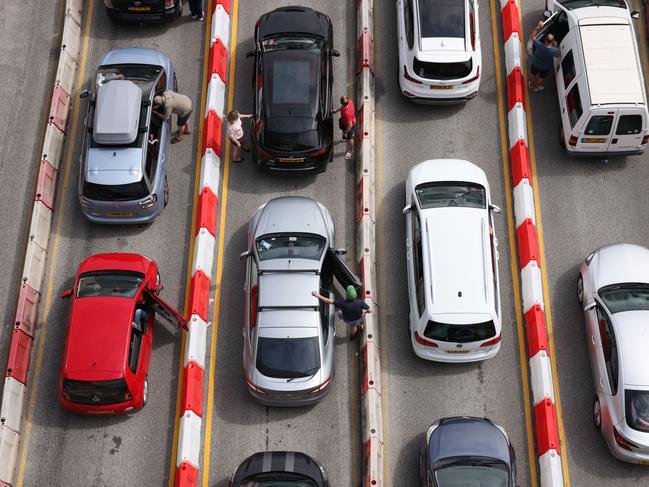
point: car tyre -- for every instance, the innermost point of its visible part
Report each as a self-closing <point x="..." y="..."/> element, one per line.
<point x="580" y="289"/>
<point x="597" y="414"/>
<point x="166" y="192"/>
<point x="145" y="392"/>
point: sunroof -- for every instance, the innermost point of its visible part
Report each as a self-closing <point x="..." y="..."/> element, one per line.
<point x="441" y="18"/>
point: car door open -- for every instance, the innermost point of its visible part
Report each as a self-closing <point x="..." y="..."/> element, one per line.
<point x="341" y="272"/>
<point x="165" y="310"/>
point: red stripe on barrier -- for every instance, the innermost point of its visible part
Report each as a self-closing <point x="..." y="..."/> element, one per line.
<point x="528" y="244"/>
<point x="515" y="88"/>
<point x="365" y="52"/>
<point x="186" y="475"/>
<point x="520" y="159"/>
<point x="224" y="3"/>
<point x="46" y="185"/>
<point x="26" y="311"/>
<point x="362" y="198"/>
<point x="19" y="356"/>
<point x="218" y="62"/>
<point x="536" y="334"/>
<point x="192" y="395"/>
<point x="206" y="212"/>
<point x="510" y="19"/>
<point x="60" y="108"/>
<point x="213" y="133"/>
<point x="371" y="475"/>
<point x="199" y="294"/>
<point x="365" y="271"/>
<point x="547" y="432"/>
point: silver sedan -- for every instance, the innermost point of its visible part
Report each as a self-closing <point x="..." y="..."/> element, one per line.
<point x="613" y="289"/>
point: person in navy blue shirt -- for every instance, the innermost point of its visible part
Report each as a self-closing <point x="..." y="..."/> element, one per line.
<point x="543" y="58"/>
<point x="350" y="310"/>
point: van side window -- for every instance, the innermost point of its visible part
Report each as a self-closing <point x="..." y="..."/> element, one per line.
<point x="409" y="19"/>
<point x="573" y="101"/>
<point x="629" y="125"/>
<point x="599" y="125"/>
<point x="568" y="69"/>
<point x="418" y="262"/>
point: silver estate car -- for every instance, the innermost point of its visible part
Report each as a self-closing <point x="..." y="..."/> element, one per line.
<point x="123" y="166"/>
<point x="288" y="335"/>
<point x="613" y="289"/>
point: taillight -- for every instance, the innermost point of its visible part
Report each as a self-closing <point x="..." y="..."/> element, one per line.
<point x="491" y="342"/>
<point x="477" y="75"/>
<point x="321" y="387"/>
<point x="262" y="154"/>
<point x="319" y="152"/>
<point x="622" y="442"/>
<point x="256" y="389"/>
<point x="573" y="140"/>
<point x="645" y="139"/>
<point x="149" y="201"/>
<point x="422" y="341"/>
<point x="408" y="77"/>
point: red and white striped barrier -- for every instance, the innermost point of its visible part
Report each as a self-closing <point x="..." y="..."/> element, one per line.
<point x="204" y="237"/>
<point x="545" y="412"/>
<point x="17" y="370"/>
<point x="371" y="409"/>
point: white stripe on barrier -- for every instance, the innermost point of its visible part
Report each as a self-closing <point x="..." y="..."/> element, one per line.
<point x="204" y="244"/>
<point x="12" y="404"/>
<point x="532" y="286"/>
<point x="373" y="366"/>
<point x="71" y="41"/>
<point x="8" y="450"/>
<point x="210" y="172"/>
<point x="196" y="342"/>
<point x="53" y="145"/>
<point x="516" y="124"/>
<point x="215" y="99"/>
<point x="66" y="72"/>
<point x="34" y="266"/>
<point x="371" y="420"/>
<point x="365" y="230"/>
<point x="512" y="53"/>
<point x="220" y="26"/>
<point x="524" y="202"/>
<point x="75" y="9"/>
<point x="189" y="439"/>
<point x="551" y="469"/>
<point x="541" y="377"/>
<point x="39" y="230"/>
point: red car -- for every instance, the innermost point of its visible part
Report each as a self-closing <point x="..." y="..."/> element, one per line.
<point x="110" y="333"/>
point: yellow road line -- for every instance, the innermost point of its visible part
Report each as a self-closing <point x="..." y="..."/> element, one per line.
<point x="219" y="260"/>
<point x="52" y="256"/>
<point x="544" y="276"/>
<point x="197" y="166"/>
<point x="522" y="353"/>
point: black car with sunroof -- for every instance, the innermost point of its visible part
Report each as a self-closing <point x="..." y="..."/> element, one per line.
<point x="280" y="468"/>
<point x="292" y="129"/>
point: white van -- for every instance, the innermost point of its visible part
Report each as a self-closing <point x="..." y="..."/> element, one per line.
<point x="452" y="260"/>
<point x="599" y="79"/>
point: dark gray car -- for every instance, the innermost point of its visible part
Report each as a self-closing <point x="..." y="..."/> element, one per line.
<point x="123" y="166"/>
<point x="467" y="451"/>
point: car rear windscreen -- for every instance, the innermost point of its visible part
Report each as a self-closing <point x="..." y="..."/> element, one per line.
<point x="96" y="392"/>
<point x="294" y="142"/>
<point x="443" y="194"/>
<point x="441" y="18"/>
<point x="445" y="332"/>
<point x="116" y="192"/>
<point x="288" y="358"/>
<point x="112" y="283"/>
<point x="637" y="409"/>
<point x="442" y="71"/>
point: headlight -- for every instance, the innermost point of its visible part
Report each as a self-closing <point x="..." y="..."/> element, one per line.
<point x="149" y="201"/>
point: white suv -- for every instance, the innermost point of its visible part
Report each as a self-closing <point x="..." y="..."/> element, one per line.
<point x="439" y="50"/>
<point x="452" y="261"/>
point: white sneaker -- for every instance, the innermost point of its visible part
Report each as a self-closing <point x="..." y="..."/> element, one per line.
<point x="348" y="156"/>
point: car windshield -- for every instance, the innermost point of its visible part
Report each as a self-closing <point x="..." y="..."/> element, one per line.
<point x="288" y="358"/>
<point x="119" y="284"/>
<point x="116" y="192"/>
<point x="440" y="195"/>
<point x="464" y="472"/>
<point x="445" y="332"/>
<point x="142" y="75"/>
<point x="284" y="43"/>
<point x="573" y="4"/>
<point x="637" y="409"/>
<point x="441" y="18"/>
<point x="626" y="297"/>
<point x="290" y="246"/>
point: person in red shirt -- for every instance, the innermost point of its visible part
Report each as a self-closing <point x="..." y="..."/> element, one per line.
<point x="347" y="123"/>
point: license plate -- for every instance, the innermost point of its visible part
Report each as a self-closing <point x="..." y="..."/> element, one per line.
<point x="139" y="9"/>
<point x="441" y="87"/>
<point x="120" y="215"/>
<point x="291" y="160"/>
<point x="591" y="140"/>
<point x="458" y="350"/>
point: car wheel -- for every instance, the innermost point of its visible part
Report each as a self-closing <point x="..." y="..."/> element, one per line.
<point x="166" y="192"/>
<point x="145" y="394"/>
<point x="175" y="84"/>
<point x="597" y="414"/>
<point x="580" y="289"/>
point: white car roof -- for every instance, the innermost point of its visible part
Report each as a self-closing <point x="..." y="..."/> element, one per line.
<point x="632" y="335"/>
<point x="620" y="263"/>
<point x="117" y="113"/>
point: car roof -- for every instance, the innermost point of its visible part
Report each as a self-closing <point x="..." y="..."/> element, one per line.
<point x="135" y="55"/>
<point x="291" y="20"/>
<point x="632" y="338"/>
<point x="114" y="166"/>
<point x="286" y="289"/>
<point x="291" y="214"/>
<point x="442" y="28"/>
<point x="437" y="170"/>
<point x="620" y="263"/>
<point x="117" y="113"/>
<point x="118" y="261"/>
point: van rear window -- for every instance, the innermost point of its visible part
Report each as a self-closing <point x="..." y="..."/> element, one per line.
<point x="629" y="125"/>
<point x="445" y="332"/>
<point x="599" y="125"/>
<point x="444" y="71"/>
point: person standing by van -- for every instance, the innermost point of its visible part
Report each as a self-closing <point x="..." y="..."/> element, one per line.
<point x="543" y="58"/>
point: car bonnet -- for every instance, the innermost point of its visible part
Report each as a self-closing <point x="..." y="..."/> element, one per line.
<point x="291" y="214"/>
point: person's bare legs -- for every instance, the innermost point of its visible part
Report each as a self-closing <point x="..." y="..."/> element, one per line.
<point x="236" y="153"/>
<point x="350" y="148"/>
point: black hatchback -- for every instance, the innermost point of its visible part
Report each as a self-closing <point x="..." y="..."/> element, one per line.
<point x="279" y="468"/>
<point x="143" y="10"/>
<point x="292" y="130"/>
<point x="467" y="451"/>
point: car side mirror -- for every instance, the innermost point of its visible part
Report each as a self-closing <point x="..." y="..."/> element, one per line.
<point x="66" y="294"/>
<point x="243" y="255"/>
<point x="495" y="209"/>
<point x="250" y="53"/>
<point x="547" y="14"/>
<point x="84" y="94"/>
<point x="340" y="251"/>
<point x="335" y="53"/>
<point x="635" y="14"/>
<point x="406" y="209"/>
<point x="589" y="306"/>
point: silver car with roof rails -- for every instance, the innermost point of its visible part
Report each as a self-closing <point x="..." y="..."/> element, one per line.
<point x="288" y="335"/>
<point x="123" y="166"/>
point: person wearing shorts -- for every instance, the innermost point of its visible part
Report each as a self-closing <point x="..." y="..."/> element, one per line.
<point x="351" y="309"/>
<point x="347" y="123"/>
<point x="542" y="60"/>
<point x="234" y="132"/>
<point x="180" y="105"/>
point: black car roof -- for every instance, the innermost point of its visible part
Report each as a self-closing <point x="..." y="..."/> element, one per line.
<point x="280" y="461"/>
<point x="294" y="20"/>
